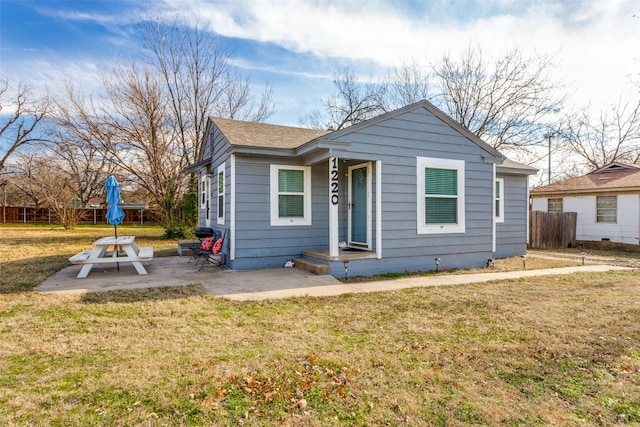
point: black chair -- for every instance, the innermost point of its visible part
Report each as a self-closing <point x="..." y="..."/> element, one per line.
<point x="209" y="257"/>
<point x="201" y="233"/>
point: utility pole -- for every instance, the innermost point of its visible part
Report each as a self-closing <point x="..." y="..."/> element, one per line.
<point x="548" y="136"/>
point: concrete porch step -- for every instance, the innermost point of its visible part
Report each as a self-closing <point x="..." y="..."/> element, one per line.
<point x="312" y="266"/>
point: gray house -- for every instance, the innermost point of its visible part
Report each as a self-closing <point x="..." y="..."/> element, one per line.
<point x="390" y="194"/>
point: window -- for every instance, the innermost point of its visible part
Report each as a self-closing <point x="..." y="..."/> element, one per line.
<point x="290" y="195"/>
<point x="203" y="191"/>
<point x="440" y="196"/>
<point x="606" y="208"/>
<point x="221" y="194"/>
<point x="555" y="205"/>
<point x="499" y="200"/>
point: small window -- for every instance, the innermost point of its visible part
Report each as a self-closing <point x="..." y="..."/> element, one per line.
<point x="290" y="195"/>
<point x="555" y="205"/>
<point x="606" y="209"/>
<point x="203" y="192"/>
<point x="221" y="194"/>
<point x="440" y="196"/>
<point x="499" y="200"/>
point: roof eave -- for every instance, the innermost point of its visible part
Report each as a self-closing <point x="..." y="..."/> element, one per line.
<point x="515" y="171"/>
<point x="320" y="144"/>
<point x="197" y="166"/>
<point x="261" y="151"/>
<point x="586" y="191"/>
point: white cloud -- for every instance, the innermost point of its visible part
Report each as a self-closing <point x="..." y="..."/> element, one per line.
<point x="592" y="41"/>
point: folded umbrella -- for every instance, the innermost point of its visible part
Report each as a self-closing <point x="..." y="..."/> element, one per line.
<point x="115" y="215"/>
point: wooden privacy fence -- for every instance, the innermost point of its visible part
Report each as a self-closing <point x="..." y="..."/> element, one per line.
<point x="30" y="215"/>
<point x="549" y="230"/>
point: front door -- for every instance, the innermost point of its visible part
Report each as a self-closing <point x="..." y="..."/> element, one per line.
<point x="359" y="228"/>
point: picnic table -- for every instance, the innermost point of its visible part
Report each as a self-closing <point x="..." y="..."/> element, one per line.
<point x="99" y="254"/>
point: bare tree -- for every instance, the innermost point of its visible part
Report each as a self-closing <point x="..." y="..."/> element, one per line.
<point x="612" y="135"/>
<point x="199" y="81"/>
<point x="407" y="84"/>
<point x="151" y="120"/>
<point x="21" y="112"/>
<point x="60" y="191"/>
<point x="143" y="136"/>
<point x="23" y="174"/>
<point x="353" y="102"/>
<point x="510" y="102"/>
<point x="77" y="138"/>
<point x="44" y="179"/>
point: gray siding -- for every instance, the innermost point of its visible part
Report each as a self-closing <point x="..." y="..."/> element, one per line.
<point x="258" y="244"/>
<point x="215" y="148"/>
<point x="396" y="142"/>
<point x="512" y="233"/>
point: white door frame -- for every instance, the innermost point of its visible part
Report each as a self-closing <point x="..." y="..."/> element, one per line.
<point x="367" y="244"/>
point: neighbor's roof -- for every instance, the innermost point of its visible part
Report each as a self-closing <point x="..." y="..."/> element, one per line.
<point x="251" y="134"/>
<point x="614" y="177"/>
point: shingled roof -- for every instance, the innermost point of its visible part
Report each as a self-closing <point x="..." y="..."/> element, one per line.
<point x="251" y="134"/>
<point x="614" y="177"/>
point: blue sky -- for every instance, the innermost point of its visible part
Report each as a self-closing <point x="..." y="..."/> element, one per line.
<point x="296" y="45"/>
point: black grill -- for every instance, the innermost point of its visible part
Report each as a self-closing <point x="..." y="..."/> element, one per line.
<point x="202" y="232"/>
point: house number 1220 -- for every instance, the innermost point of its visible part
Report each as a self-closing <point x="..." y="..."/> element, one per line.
<point x="334" y="181"/>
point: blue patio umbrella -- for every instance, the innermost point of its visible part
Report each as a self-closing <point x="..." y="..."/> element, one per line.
<point x="115" y="215"/>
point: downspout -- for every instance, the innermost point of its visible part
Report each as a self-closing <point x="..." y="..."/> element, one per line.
<point x="378" y="209"/>
<point x="493" y="209"/>
<point x="528" y="232"/>
<point x="232" y="209"/>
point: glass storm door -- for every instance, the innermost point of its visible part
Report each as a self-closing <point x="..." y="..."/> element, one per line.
<point x="359" y="224"/>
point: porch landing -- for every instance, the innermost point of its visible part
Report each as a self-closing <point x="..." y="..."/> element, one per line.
<point x="343" y="255"/>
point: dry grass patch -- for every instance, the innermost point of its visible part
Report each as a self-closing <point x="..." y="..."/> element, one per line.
<point x="553" y="350"/>
<point x="561" y="350"/>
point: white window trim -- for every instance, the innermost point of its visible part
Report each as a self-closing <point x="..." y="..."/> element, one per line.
<point x="500" y="214"/>
<point x="203" y="189"/>
<point x="275" y="219"/>
<point x="435" y="163"/>
<point x="221" y="170"/>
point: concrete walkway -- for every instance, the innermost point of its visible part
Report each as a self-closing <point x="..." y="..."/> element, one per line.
<point x="262" y="284"/>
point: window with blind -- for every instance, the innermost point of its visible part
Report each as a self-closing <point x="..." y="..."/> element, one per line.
<point x="499" y="200"/>
<point x="607" y="209"/>
<point x="555" y="204"/>
<point x="221" y="194"/>
<point x="440" y="196"/>
<point x="290" y="195"/>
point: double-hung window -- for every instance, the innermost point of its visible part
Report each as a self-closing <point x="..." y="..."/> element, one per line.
<point x="499" y="200"/>
<point x="221" y="194"/>
<point x="441" y="198"/>
<point x="290" y="195"/>
<point x="203" y="191"/>
<point x="606" y="209"/>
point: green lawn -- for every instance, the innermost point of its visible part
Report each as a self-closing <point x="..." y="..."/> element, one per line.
<point x="554" y="350"/>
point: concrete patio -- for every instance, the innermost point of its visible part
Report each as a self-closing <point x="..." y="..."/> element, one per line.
<point x="263" y="283"/>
